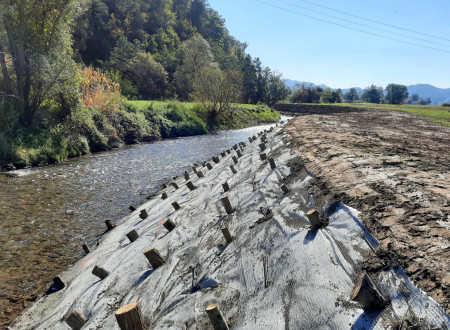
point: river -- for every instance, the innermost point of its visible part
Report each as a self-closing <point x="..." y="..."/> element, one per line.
<point x="47" y="213"/>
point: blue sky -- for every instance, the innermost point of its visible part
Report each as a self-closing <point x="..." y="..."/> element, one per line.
<point x="306" y="49"/>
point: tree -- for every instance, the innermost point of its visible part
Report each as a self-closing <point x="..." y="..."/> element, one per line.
<point x="415" y="97"/>
<point x="217" y="90"/>
<point x="352" y="95"/>
<point x="307" y="94"/>
<point x="36" y="37"/>
<point x="373" y="94"/>
<point x="276" y="90"/>
<point x="196" y="54"/>
<point x="396" y="94"/>
<point x="148" y="76"/>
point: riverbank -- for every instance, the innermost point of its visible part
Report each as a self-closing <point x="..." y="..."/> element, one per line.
<point x="275" y="272"/>
<point x="394" y="167"/>
<point x="135" y="122"/>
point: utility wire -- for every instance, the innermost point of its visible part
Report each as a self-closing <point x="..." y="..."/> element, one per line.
<point x="374" y="21"/>
<point x="351" y="28"/>
<point x="365" y="25"/>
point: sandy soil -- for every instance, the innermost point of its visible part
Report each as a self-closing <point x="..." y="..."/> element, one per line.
<point x="394" y="168"/>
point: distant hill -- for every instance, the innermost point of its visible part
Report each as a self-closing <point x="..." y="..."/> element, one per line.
<point x="437" y="95"/>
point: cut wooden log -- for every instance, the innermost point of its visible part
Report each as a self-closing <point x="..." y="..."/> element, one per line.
<point x="228" y="151"/>
<point x="169" y="225"/>
<point x="225" y="186"/>
<point x="163" y="186"/>
<point x="262" y="146"/>
<point x="200" y="174"/>
<point x="366" y="293"/>
<point x="284" y="189"/>
<point x="132" y="208"/>
<point x="100" y="272"/>
<point x="233" y="169"/>
<point x="235" y="160"/>
<point x="176" y="206"/>
<point x="190" y="185"/>
<point x="76" y="320"/>
<point x="216" y="160"/>
<point x="209" y="166"/>
<point x="143" y="215"/>
<point x="194" y="169"/>
<point x="263" y="156"/>
<point x="175" y="185"/>
<point x="109" y="225"/>
<point x="226" y="234"/>
<point x="186" y="175"/>
<point x="133" y="235"/>
<point x="272" y="164"/>
<point x="129" y="317"/>
<point x="164" y="195"/>
<point x="155" y="258"/>
<point x="227" y="204"/>
<point x="314" y="218"/>
<point x="239" y="153"/>
<point x="86" y="248"/>
<point x="216" y="317"/>
<point x="235" y="147"/>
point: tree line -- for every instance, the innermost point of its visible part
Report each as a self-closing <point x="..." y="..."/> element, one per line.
<point x="392" y="94"/>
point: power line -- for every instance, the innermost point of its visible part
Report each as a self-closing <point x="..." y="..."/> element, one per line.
<point x="351" y="28"/>
<point x="365" y="25"/>
<point x="374" y="21"/>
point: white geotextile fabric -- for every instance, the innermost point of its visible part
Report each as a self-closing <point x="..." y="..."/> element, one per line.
<point x="310" y="273"/>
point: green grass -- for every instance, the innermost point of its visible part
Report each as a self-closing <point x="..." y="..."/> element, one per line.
<point x="433" y="113"/>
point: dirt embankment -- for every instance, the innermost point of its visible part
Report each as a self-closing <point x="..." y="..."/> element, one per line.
<point x="394" y="168"/>
<point x="301" y="109"/>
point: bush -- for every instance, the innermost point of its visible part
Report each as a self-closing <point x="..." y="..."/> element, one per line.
<point x="446" y="104"/>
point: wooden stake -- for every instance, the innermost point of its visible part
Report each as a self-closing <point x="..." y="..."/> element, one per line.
<point x="228" y="151"/>
<point x="164" y="195"/>
<point x="226" y="234"/>
<point x="133" y="235"/>
<point x="272" y="164"/>
<point x="239" y="153"/>
<point x="263" y="156"/>
<point x="186" y="175"/>
<point x="143" y="215"/>
<point x="208" y="165"/>
<point x="223" y="154"/>
<point x="366" y="293"/>
<point x="250" y="139"/>
<point x="262" y="146"/>
<point x="235" y="160"/>
<point x="194" y="169"/>
<point x="216" y="160"/>
<point x="227" y="204"/>
<point x="100" y="272"/>
<point x="233" y="169"/>
<point x="235" y="147"/>
<point x="86" y="248"/>
<point x="109" y="225"/>
<point x="190" y="185"/>
<point x="225" y="186"/>
<point x="163" y="186"/>
<point x="314" y="218"/>
<point x="155" y="259"/>
<point x="132" y="208"/>
<point x="176" y="206"/>
<point x="216" y="318"/>
<point x="285" y="189"/>
<point x="200" y="174"/>
<point x="175" y="185"/>
<point x="169" y="225"/>
<point x="76" y="320"/>
<point x="129" y="317"/>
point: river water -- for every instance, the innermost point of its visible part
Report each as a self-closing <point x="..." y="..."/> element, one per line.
<point x="49" y="212"/>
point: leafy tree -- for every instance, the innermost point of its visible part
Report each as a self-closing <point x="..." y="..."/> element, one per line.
<point x="217" y="90"/>
<point x="196" y="55"/>
<point x="396" y="94"/>
<point x="36" y="36"/>
<point x="148" y="75"/>
<point x="415" y="97"/>
<point x="276" y="90"/>
<point x="306" y="94"/>
<point x="373" y="94"/>
<point x="352" y="95"/>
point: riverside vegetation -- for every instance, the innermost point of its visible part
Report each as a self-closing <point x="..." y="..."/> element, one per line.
<point x="69" y="67"/>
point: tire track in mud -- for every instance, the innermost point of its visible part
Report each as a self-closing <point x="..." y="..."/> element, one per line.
<point x="393" y="167"/>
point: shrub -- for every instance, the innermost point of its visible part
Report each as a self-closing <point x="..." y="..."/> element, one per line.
<point x="447" y="104"/>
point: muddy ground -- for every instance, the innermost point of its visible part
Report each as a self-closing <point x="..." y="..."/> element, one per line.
<point x="394" y="167"/>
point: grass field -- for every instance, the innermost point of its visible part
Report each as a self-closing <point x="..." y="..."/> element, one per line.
<point x="434" y="113"/>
